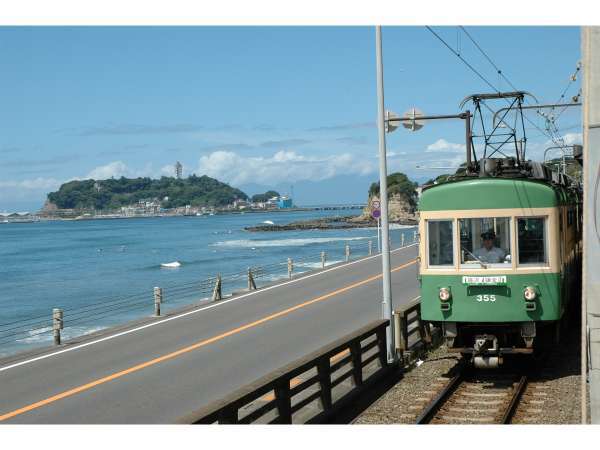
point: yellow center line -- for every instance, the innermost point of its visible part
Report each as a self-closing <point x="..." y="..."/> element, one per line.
<point x="152" y="362"/>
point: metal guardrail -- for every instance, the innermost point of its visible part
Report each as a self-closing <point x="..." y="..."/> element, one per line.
<point x="411" y="333"/>
<point x="286" y="395"/>
<point x="212" y="288"/>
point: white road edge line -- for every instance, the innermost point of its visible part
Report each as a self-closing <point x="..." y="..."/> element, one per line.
<point x="214" y="305"/>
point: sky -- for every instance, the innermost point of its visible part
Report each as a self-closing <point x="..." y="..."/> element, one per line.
<point x="257" y="107"/>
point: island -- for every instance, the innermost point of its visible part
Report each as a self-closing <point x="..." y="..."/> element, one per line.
<point x="402" y="206"/>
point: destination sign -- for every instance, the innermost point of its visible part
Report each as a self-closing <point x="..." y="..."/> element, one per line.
<point x="498" y="280"/>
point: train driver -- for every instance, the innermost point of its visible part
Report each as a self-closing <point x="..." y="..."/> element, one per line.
<point x="488" y="252"/>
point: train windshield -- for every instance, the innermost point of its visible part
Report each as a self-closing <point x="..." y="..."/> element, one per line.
<point x="532" y="242"/>
<point x="441" y="248"/>
<point x="485" y="241"/>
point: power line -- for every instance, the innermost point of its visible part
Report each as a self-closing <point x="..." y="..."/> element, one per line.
<point x="488" y="58"/>
<point x="481" y="76"/>
<point x="462" y="59"/>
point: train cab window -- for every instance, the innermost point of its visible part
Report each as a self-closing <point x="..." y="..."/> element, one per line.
<point x="532" y="240"/>
<point x="440" y="242"/>
<point x="485" y="241"/>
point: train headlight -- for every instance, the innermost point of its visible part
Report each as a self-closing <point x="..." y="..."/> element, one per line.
<point x="529" y="293"/>
<point x="445" y="294"/>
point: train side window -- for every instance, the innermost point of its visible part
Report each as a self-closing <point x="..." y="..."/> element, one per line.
<point x="440" y="243"/>
<point x="484" y="241"/>
<point x="532" y="240"/>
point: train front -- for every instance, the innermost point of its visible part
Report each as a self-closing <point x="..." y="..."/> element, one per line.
<point x="490" y="265"/>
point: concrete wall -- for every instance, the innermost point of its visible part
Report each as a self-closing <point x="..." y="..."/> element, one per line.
<point x="590" y="42"/>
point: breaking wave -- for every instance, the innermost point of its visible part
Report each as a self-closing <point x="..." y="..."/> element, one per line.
<point x="251" y="243"/>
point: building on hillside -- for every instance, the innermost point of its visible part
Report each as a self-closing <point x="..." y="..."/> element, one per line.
<point x="178" y="170"/>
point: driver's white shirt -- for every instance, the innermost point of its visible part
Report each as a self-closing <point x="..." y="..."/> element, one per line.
<point x="493" y="255"/>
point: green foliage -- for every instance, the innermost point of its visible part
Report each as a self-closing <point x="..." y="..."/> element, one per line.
<point x="573" y="168"/>
<point x="264" y="197"/>
<point x="398" y="183"/>
<point x="114" y="193"/>
<point x="462" y="170"/>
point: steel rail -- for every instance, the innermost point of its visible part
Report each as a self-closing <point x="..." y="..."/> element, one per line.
<point x="514" y="401"/>
<point x="436" y="403"/>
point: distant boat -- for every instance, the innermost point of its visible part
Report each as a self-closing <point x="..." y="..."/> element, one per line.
<point x="171" y="265"/>
<point x="269" y="222"/>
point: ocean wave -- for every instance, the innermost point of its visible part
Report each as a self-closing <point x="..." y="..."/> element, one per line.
<point x="299" y="242"/>
<point x="317" y="264"/>
<point x="393" y="226"/>
<point x="45" y="334"/>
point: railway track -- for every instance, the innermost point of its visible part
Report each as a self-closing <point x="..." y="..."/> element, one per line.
<point x="476" y="397"/>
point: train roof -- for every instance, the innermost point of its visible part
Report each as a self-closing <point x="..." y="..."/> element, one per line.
<point x="491" y="193"/>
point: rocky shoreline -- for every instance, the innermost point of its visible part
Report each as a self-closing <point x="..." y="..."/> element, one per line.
<point x="327" y="223"/>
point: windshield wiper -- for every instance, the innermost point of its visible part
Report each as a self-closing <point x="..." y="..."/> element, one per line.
<point x="483" y="264"/>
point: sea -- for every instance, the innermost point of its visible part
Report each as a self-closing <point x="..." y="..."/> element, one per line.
<point x="102" y="273"/>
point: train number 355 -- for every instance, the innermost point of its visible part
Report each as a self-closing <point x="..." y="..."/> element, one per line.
<point x="486" y="298"/>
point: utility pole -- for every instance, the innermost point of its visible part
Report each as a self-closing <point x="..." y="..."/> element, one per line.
<point x="590" y="308"/>
<point x="386" y="304"/>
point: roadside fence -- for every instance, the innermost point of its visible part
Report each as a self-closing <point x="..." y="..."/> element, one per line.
<point x="67" y="323"/>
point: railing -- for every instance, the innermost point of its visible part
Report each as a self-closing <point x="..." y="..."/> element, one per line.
<point x="308" y="390"/>
<point x="303" y="391"/>
<point x="411" y="333"/>
<point x="67" y="323"/>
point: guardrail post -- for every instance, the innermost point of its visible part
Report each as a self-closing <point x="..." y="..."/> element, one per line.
<point x="424" y="330"/>
<point x="347" y="252"/>
<point x="382" y="346"/>
<point x="290" y="267"/>
<point x="324" y="373"/>
<point x="402" y="240"/>
<point x="57" y="324"/>
<point x="283" y="400"/>
<point x="357" y="370"/>
<point x="323" y="258"/>
<point x="217" y="292"/>
<point x="251" y="283"/>
<point x="370" y="248"/>
<point x="400" y="327"/>
<point x="158" y="294"/>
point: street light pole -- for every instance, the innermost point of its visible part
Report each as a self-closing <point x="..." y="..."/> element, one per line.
<point x="386" y="304"/>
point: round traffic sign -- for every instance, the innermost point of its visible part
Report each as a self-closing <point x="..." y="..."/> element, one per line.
<point x="376" y="204"/>
<point x="376" y="213"/>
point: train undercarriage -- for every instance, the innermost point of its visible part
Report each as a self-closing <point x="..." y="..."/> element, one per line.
<point x="488" y="343"/>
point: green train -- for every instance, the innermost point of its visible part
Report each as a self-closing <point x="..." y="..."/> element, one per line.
<point x="500" y="255"/>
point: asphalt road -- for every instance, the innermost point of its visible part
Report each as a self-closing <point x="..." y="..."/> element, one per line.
<point x="160" y="371"/>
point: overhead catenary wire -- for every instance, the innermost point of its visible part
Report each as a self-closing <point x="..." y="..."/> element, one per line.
<point x="485" y="80"/>
<point x="498" y="70"/>
<point x="459" y="56"/>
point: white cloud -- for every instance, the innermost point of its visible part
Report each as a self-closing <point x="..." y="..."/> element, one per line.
<point x="442" y="145"/>
<point x="118" y="169"/>
<point x="29" y="190"/>
<point x="114" y="169"/>
<point x="168" y="170"/>
<point x="283" y="166"/>
<point x="32" y="184"/>
<point x="573" y="138"/>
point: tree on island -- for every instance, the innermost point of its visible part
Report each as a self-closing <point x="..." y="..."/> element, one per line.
<point x="171" y="192"/>
<point x="262" y="198"/>
<point x="398" y="184"/>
